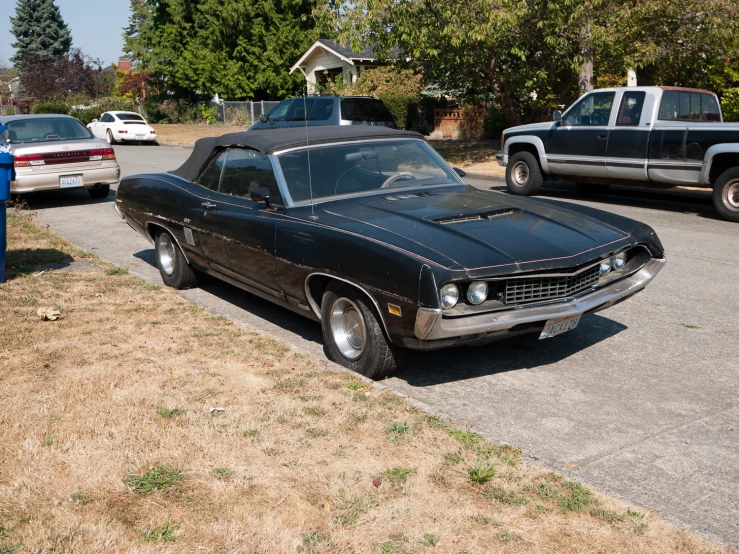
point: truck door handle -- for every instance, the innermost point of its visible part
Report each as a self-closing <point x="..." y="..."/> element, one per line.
<point x="208" y="205"/>
<point x="602" y="135"/>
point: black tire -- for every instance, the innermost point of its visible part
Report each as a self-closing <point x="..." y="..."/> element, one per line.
<point x="726" y="195"/>
<point x="377" y="356"/>
<point x="111" y="139"/>
<point x="523" y="174"/>
<point x="100" y="192"/>
<point x="591" y="188"/>
<point x="173" y="266"/>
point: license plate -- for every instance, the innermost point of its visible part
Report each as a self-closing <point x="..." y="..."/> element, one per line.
<point x="554" y="327"/>
<point x="140" y="137"/>
<point x="70" y="181"/>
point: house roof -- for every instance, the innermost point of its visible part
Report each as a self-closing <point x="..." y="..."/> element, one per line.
<point x="345" y="53"/>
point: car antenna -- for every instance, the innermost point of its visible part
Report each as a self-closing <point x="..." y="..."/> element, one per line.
<point x="313" y="216"/>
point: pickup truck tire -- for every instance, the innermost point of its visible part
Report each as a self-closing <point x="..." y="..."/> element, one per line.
<point x="726" y="194"/>
<point x="591" y="188"/>
<point x="523" y="174"/>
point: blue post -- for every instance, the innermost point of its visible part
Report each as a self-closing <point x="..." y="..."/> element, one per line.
<point x="6" y="174"/>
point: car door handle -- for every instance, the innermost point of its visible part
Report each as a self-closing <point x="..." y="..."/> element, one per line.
<point x="209" y="205"/>
<point x="602" y="135"/>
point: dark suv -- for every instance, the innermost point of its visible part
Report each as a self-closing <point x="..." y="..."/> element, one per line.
<point x="327" y="110"/>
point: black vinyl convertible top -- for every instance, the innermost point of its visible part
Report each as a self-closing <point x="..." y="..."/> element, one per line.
<point x="272" y="140"/>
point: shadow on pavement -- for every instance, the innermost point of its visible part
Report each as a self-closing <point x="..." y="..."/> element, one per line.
<point x="63" y="198"/>
<point x="424" y="369"/>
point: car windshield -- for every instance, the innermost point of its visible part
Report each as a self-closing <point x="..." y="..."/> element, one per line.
<point x="46" y="129"/>
<point x="130" y="117"/>
<point x="352" y="168"/>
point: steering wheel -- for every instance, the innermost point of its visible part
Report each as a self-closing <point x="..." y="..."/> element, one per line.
<point x="597" y="118"/>
<point x="390" y="180"/>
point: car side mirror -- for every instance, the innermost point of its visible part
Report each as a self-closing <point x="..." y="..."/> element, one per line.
<point x="94" y="121"/>
<point x="460" y="172"/>
<point x="261" y="194"/>
<point x="262" y="118"/>
<point x="557" y="117"/>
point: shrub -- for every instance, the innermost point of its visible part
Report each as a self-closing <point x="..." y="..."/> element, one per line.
<point x="402" y="106"/>
<point x="86" y="115"/>
<point x="50" y="107"/>
<point x="495" y="123"/>
<point x="730" y="104"/>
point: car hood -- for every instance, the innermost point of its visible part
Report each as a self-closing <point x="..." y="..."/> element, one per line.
<point x="545" y="126"/>
<point x="481" y="232"/>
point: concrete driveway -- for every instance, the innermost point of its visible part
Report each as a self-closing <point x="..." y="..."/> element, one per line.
<point x="640" y="402"/>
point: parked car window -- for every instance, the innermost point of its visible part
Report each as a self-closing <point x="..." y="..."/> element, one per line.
<point x="593" y="109"/>
<point x="211" y="175"/>
<point x="279" y="112"/>
<point x="631" y="107"/>
<point x="361" y="110"/>
<point x="129" y="117"/>
<point x="321" y="109"/>
<point x="688" y="106"/>
<point x="247" y="170"/>
<point x="45" y="129"/>
<point x="107" y="118"/>
<point x="341" y="169"/>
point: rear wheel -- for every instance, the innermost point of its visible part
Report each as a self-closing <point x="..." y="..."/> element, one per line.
<point x="591" y="188"/>
<point x="523" y="174"/>
<point x="100" y="192"/>
<point x="173" y="267"/>
<point x="109" y="136"/>
<point x="353" y="333"/>
<point x="726" y="195"/>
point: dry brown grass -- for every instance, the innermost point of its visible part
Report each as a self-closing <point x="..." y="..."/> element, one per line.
<point x="186" y="135"/>
<point x="107" y="443"/>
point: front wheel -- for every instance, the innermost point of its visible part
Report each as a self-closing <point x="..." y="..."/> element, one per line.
<point x="173" y="266"/>
<point x="353" y="333"/>
<point x="523" y="174"/>
<point x="726" y="195"/>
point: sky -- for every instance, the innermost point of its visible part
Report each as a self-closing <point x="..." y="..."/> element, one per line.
<point x="96" y="26"/>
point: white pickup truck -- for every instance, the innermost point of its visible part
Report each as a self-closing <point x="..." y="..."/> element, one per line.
<point x="659" y="137"/>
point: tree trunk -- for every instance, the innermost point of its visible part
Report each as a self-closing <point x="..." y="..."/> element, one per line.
<point x="585" y="79"/>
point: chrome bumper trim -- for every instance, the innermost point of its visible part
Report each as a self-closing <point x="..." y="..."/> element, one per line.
<point x="431" y="326"/>
<point x="501" y="158"/>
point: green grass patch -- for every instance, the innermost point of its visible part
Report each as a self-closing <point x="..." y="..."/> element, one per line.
<point x="163" y="533"/>
<point x="467" y="438"/>
<point x="430" y="539"/>
<point x="158" y="478"/>
<point x="116" y="271"/>
<point x="356" y="385"/>
<point x="171" y="412"/>
<point x="398" y="475"/>
<point x="222" y="473"/>
<point x="479" y="473"/>
<point x="398" y="431"/>
<point x="504" y="496"/>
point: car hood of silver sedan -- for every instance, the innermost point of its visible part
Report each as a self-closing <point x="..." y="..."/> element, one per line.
<point x="481" y="232"/>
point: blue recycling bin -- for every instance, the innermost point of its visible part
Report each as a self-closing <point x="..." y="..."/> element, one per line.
<point x="6" y="175"/>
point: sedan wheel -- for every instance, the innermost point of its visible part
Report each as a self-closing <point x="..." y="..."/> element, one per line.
<point x="353" y="333"/>
<point x="173" y="266"/>
<point x="726" y="195"/>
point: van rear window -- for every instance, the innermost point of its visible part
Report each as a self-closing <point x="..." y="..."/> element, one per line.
<point x="364" y="109"/>
<point x="689" y="106"/>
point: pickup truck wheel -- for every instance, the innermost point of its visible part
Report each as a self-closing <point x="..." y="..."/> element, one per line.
<point x="173" y="266"/>
<point x="591" y="188"/>
<point x="523" y="175"/>
<point x="726" y="195"/>
<point x="353" y="333"/>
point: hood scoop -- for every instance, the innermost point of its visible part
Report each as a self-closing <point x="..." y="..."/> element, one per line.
<point x="396" y="197"/>
<point x="477" y="216"/>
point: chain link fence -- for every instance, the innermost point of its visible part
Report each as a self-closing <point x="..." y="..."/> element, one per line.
<point x="244" y="114"/>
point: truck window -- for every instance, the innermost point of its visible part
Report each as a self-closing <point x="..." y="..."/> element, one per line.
<point x="630" y="111"/>
<point x="688" y="106"/>
<point x="592" y="109"/>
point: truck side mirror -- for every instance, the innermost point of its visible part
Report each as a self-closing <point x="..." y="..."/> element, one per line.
<point x="557" y="117"/>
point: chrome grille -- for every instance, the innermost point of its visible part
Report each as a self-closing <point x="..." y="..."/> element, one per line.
<point x="532" y="289"/>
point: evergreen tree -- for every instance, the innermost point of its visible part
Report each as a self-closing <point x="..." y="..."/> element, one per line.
<point x="39" y="30"/>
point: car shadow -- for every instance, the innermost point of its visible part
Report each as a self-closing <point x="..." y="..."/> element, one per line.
<point x="424" y="369"/>
<point x="41" y="200"/>
<point x="698" y="202"/>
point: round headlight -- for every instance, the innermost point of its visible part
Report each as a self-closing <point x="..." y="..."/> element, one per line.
<point x="449" y="296"/>
<point x="618" y="261"/>
<point x="477" y="292"/>
<point x="605" y="267"/>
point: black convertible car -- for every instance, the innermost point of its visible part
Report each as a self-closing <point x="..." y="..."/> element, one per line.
<point x="369" y="231"/>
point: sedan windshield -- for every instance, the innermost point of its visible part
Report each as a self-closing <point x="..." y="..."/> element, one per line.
<point x="46" y="129"/>
<point x="351" y="168"/>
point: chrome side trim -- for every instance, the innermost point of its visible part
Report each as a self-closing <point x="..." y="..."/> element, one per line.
<point x="431" y="326"/>
<point x="317" y="310"/>
<point x="151" y="239"/>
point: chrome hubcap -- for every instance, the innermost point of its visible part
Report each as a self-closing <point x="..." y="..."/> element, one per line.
<point x="348" y="328"/>
<point x="520" y="174"/>
<point x="166" y="254"/>
<point x="731" y="195"/>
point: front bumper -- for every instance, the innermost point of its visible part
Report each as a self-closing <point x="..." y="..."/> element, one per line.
<point x="108" y="173"/>
<point x="502" y="159"/>
<point x="430" y="325"/>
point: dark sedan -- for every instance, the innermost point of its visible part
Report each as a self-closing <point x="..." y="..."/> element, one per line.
<point x="369" y="231"/>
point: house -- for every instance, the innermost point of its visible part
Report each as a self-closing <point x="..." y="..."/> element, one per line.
<point x="325" y="60"/>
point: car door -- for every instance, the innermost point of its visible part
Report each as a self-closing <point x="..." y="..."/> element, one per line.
<point x="578" y="145"/>
<point x="628" y="139"/>
<point x="98" y="127"/>
<point x="236" y="233"/>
